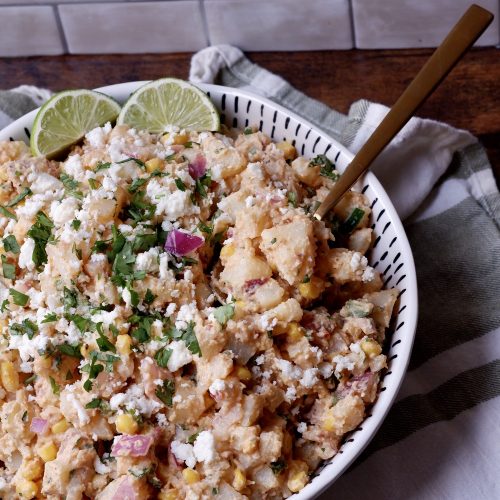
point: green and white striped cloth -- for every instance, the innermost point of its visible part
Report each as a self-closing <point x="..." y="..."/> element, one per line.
<point x="440" y="440"/>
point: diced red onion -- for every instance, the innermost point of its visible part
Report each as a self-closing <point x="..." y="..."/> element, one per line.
<point x="197" y="167"/>
<point x="125" y="491"/>
<point x="360" y="384"/>
<point x="39" y="425"/>
<point x="251" y="285"/>
<point x="180" y="244"/>
<point x="132" y="446"/>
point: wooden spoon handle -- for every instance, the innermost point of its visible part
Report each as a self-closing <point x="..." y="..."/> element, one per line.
<point x="459" y="40"/>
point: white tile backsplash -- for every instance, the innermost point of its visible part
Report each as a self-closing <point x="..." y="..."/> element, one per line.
<point x="388" y="24"/>
<point x="27" y="31"/>
<point x="280" y="24"/>
<point x="31" y="27"/>
<point x="169" y="26"/>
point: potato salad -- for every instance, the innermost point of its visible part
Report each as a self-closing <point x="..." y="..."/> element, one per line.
<point x="174" y="322"/>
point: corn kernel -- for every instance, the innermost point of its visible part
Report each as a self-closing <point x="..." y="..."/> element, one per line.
<point x="328" y="424"/>
<point x="371" y="348"/>
<point x="227" y="251"/>
<point x="48" y="452"/>
<point x="294" y="332"/>
<point x="289" y="151"/>
<point x="170" y="494"/>
<point x="311" y="290"/>
<point x="61" y="426"/>
<point x="123" y="343"/>
<point x="27" y="489"/>
<point x="243" y="373"/>
<point x="239" y="481"/>
<point x="153" y="164"/>
<point x="239" y="309"/>
<point x="190" y="476"/>
<point x="173" y="138"/>
<point x="125" y="424"/>
<point x="9" y="376"/>
<point x="84" y="350"/>
<point x="32" y="469"/>
<point x="297" y="481"/>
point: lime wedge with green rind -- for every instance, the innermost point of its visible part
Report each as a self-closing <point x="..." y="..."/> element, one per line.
<point x="66" y="117"/>
<point x="168" y="102"/>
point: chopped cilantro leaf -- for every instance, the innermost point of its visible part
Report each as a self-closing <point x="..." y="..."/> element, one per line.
<point x="136" y="184"/>
<point x="55" y="388"/>
<point x="248" y="131"/>
<point x="149" y="297"/>
<point x="25" y="192"/>
<point x="349" y="225"/>
<point x="94" y="184"/>
<point x="224" y="313"/>
<point x="180" y="185"/>
<point x="71" y="186"/>
<point x="166" y="392"/>
<point x="202" y="183"/>
<point x="83" y="324"/>
<point x="204" y="228"/>
<point x="20" y="299"/>
<point x="7" y="213"/>
<point x="69" y="298"/>
<point x="101" y="166"/>
<point x="162" y="356"/>
<point x="9" y="270"/>
<point x="144" y="242"/>
<point x="40" y="231"/>
<point x="191" y="439"/>
<point x="327" y="169"/>
<point x="278" y="467"/>
<point x="95" y="403"/>
<point x="136" y="160"/>
<point x="76" y="224"/>
<point x="50" y="318"/>
<point x="10" y="244"/>
<point x="26" y="327"/>
<point x="4" y="306"/>
<point x="103" y="342"/>
<point x="306" y="279"/>
<point x="292" y="198"/>
<point x="31" y="379"/>
<point x="72" y="350"/>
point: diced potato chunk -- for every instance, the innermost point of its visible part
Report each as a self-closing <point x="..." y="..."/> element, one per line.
<point x="349" y="202"/>
<point x="384" y="303"/>
<point x="290" y="249"/>
<point x="307" y="173"/>
<point x="224" y="160"/>
<point x="244" y="266"/>
<point x="360" y="240"/>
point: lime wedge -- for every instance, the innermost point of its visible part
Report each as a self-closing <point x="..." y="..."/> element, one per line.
<point x="166" y="102"/>
<point x="66" y="117"/>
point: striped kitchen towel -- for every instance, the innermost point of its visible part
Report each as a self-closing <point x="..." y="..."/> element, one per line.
<point x="440" y="439"/>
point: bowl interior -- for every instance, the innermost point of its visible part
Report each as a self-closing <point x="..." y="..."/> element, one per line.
<point x="391" y="254"/>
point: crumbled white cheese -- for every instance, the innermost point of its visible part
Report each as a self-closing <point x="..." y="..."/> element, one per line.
<point x="134" y="399"/>
<point x="249" y="201"/>
<point x="291" y="394"/>
<point x="170" y="309"/>
<point x="148" y="261"/>
<point x="83" y="416"/>
<point x="217" y="385"/>
<point x="63" y="211"/>
<point x="183" y="452"/>
<point x="204" y="447"/>
<point x="255" y="170"/>
<point x="73" y="166"/>
<point x="310" y="377"/>
<point x="99" y="467"/>
<point x="180" y="356"/>
<point x="26" y="255"/>
<point x="325" y="370"/>
<point x="289" y="370"/>
<point x="44" y="182"/>
<point x="127" y="297"/>
<point x="186" y="314"/>
<point x="97" y="136"/>
<point x="302" y="427"/>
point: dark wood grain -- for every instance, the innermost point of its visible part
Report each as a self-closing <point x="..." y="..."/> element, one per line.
<point x="469" y="98"/>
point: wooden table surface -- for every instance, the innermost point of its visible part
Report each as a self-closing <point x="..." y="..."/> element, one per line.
<point x="469" y="98"/>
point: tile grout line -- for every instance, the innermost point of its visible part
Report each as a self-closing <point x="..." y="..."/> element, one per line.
<point x="205" y="22"/>
<point x="60" y="28"/>
<point x="353" y="28"/>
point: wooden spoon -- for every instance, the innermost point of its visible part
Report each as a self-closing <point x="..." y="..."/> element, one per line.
<point x="459" y="40"/>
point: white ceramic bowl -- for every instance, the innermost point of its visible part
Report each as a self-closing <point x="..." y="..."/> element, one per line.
<point x="391" y="253"/>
